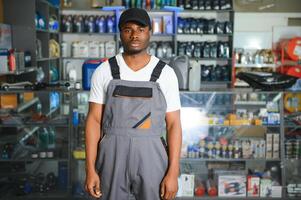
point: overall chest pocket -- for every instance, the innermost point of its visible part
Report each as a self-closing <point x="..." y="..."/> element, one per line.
<point x="131" y="107"/>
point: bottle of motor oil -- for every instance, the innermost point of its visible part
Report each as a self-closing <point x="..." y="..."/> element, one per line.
<point x="101" y="49"/>
<point x="110" y="24"/>
<point x="100" y="24"/>
<point x="110" y="49"/>
<point x="90" y="24"/>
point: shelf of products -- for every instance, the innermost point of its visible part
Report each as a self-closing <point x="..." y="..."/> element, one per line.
<point x="34" y="144"/>
<point x="223" y="161"/>
<point x="249" y="60"/>
<point x="38" y="36"/>
<point x="292" y="143"/>
<point x="211" y="149"/>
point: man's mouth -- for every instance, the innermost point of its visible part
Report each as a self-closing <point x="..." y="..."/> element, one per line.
<point x="134" y="43"/>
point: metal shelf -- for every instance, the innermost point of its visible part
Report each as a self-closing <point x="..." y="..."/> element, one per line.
<point x="91" y="34"/>
<point x="205" y="34"/>
<point x="46" y="59"/>
<point x="244" y="125"/>
<point x="78" y="58"/>
<point x="226" y="198"/>
<point x="40" y="124"/>
<point x="205" y="11"/>
<point x="255" y="65"/>
<point x="46" y="195"/>
<point x="213" y="59"/>
<point x="33" y="160"/>
<point x="163" y="35"/>
<point x="251" y="103"/>
<point x="18" y="72"/>
<point x="47" y="31"/>
<point x="215" y="82"/>
<point x="196" y="160"/>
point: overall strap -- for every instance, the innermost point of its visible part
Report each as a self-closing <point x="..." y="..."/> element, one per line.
<point x="114" y="68"/>
<point x="157" y="71"/>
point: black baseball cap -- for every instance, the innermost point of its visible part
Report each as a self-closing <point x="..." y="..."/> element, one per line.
<point x="135" y="15"/>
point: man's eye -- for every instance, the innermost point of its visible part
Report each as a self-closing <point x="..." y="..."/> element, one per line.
<point x="126" y="30"/>
<point x="141" y="29"/>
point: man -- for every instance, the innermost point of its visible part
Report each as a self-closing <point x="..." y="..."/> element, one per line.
<point x="132" y="96"/>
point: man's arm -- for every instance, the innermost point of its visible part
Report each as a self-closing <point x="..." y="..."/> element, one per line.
<point x="93" y="127"/>
<point x="169" y="184"/>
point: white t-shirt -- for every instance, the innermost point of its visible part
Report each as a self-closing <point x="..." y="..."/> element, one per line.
<point x="168" y="81"/>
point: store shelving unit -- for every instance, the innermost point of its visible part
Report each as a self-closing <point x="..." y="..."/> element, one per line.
<point x="218" y="15"/>
<point x="21" y="15"/>
<point x="201" y="109"/>
<point x="35" y="125"/>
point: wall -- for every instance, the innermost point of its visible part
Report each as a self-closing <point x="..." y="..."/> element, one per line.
<point x="267" y="5"/>
<point x="261" y="30"/>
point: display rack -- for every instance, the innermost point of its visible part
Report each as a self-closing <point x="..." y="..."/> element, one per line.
<point x="25" y="33"/>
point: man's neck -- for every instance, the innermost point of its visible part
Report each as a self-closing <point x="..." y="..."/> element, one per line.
<point x="136" y="61"/>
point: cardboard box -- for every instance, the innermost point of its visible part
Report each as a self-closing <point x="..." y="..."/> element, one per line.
<point x="187" y="185"/>
<point x="9" y="101"/>
<point x="262" y="148"/>
<point x="269" y="145"/>
<point x="27" y="96"/>
<point x="277" y="191"/>
<point x="232" y="117"/>
<point x="276" y="149"/>
<point x="246" y="149"/>
<point x="232" y="186"/>
<point x="253" y="186"/>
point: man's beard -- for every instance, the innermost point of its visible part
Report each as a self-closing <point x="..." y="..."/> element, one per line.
<point x="134" y="51"/>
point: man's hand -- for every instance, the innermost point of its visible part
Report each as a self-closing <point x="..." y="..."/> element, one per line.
<point x="169" y="187"/>
<point x="92" y="184"/>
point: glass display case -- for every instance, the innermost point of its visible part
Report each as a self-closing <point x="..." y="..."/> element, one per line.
<point x="231" y="145"/>
<point x="80" y="110"/>
<point x="34" y="144"/>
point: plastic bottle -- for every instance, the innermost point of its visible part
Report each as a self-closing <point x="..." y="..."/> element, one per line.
<point x="51" y="138"/>
<point x="43" y="139"/>
<point x="194" y="76"/>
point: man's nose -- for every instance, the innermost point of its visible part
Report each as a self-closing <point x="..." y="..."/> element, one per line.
<point x="134" y="34"/>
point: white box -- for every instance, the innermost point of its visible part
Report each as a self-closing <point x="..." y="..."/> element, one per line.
<point x="187" y="184"/>
<point x="269" y="145"/>
<point x="276" y="141"/>
<point x="232" y="186"/>
<point x="276" y="191"/>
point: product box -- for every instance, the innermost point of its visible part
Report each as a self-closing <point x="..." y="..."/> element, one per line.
<point x="276" y="141"/>
<point x="28" y="96"/>
<point x="277" y="191"/>
<point x="253" y="183"/>
<point x="187" y="185"/>
<point x="265" y="188"/>
<point x="8" y="101"/>
<point x="246" y="149"/>
<point x="167" y="24"/>
<point x="262" y="149"/>
<point x="269" y="145"/>
<point x="232" y="186"/>
<point x="157" y="25"/>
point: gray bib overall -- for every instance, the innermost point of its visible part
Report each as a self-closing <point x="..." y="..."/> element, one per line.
<point x="132" y="157"/>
